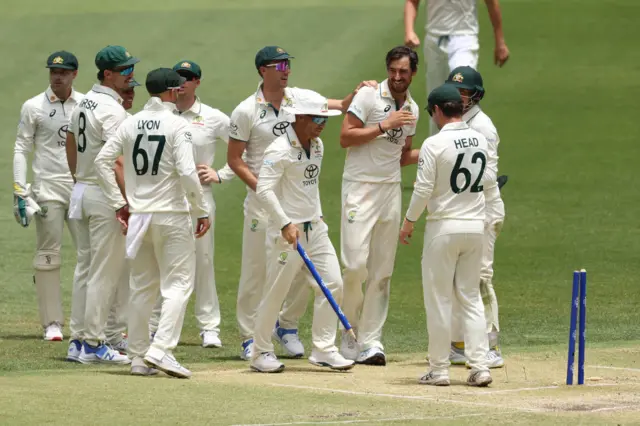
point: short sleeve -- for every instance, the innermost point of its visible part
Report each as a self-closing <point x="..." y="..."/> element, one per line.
<point x="363" y="103"/>
<point x="240" y="124"/>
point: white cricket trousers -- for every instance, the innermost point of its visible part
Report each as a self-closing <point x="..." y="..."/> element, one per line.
<point x="207" y="306"/>
<point x="445" y="53"/>
<point x="253" y="274"/>
<point x="494" y="219"/>
<point x="285" y="267"/>
<point x="48" y="259"/>
<point x="451" y="271"/>
<point x="165" y="264"/>
<point x="368" y="242"/>
<point x="107" y="262"/>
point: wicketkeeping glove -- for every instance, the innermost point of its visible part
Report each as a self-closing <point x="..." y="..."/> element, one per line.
<point x="24" y="206"/>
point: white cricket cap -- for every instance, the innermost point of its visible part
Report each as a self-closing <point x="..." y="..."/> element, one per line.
<point x="312" y="105"/>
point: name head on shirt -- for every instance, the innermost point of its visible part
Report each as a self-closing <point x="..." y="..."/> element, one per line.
<point x="465" y="143"/>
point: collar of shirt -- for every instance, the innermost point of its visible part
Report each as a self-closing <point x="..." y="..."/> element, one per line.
<point x="473" y="111"/>
<point x="52" y="97"/>
<point x="456" y="125"/>
<point x="155" y="104"/>
<point x="99" y="88"/>
<point x="195" y="108"/>
<point x="286" y="100"/>
<point x="386" y="93"/>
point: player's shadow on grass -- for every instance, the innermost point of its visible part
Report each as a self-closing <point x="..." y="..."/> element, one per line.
<point x="23" y="337"/>
<point x="413" y="381"/>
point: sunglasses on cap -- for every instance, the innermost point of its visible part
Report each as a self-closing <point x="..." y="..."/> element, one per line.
<point x="319" y="120"/>
<point x="280" y="66"/>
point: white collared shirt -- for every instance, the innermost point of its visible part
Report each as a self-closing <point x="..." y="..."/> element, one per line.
<point x="451" y="168"/>
<point x="452" y="17"/>
<point x="44" y="120"/>
<point x="207" y="125"/>
<point x="288" y="184"/>
<point x="93" y="122"/>
<point x="480" y="122"/>
<point x="159" y="171"/>
<point x="378" y="161"/>
<point x="256" y="122"/>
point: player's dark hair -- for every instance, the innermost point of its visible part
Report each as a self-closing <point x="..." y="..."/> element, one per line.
<point x="400" y="52"/>
<point x="101" y="76"/>
<point x="452" y="108"/>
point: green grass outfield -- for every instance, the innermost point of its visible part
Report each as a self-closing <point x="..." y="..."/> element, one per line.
<point x="563" y="106"/>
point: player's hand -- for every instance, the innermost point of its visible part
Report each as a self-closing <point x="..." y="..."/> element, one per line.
<point x="398" y="119"/>
<point x="501" y="53"/>
<point x="207" y="175"/>
<point x="122" y="216"/>
<point x="291" y="233"/>
<point x="406" y="231"/>
<point x="411" y="40"/>
<point x="202" y="226"/>
<point x="367" y="83"/>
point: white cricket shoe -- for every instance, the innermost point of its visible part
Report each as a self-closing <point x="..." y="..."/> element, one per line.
<point x="479" y="378"/>
<point x="121" y="346"/>
<point x="74" y="351"/>
<point x="53" y="332"/>
<point x="247" y="350"/>
<point x="494" y="359"/>
<point x="334" y="360"/>
<point x="349" y="348"/>
<point x="103" y="354"/>
<point x="435" y="379"/>
<point x="456" y="356"/>
<point x="289" y="340"/>
<point x="372" y="356"/>
<point x="139" y="368"/>
<point x="210" y="339"/>
<point x="168" y="365"/>
<point x="267" y="362"/>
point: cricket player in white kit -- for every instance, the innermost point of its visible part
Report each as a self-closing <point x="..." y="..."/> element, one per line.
<point x="207" y="125"/>
<point x="452" y="170"/>
<point x="160" y="182"/>
<point x="43" y="126"/>
<point x="377" y="132"/>
<point x="451" y="38"/>
<point x="94" y="121"/>
<point x="288" y="187"/>
<point x="255" y="124"/>
<point x="469" y="83"/>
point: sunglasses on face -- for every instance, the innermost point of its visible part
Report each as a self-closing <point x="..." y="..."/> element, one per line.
<point x="189" y="76"/>
<point x="319" y="120"/>
<point x="126" y="71"/>
<point x="280" y="66"/>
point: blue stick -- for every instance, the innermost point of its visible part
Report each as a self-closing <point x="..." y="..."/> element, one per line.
<point x="583" y="325"/>
<point x="572" y="327"/>
<point x="325" y="290"/>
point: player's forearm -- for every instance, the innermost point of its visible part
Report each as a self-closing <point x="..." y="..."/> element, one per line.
<point x="72" y="153"/>
<point x="20" y="168"/>
<point x="417" y="206"/>
<point x="241" y="169"/>
<point x="272" y="204"/>
<point x="410" y="14"/>
<point x="358" y="136"/>
<point x="409" y="157"/>
<point x="195" y="195"/>
<point x="119" y="172"/>
<point x="495" y="15"/>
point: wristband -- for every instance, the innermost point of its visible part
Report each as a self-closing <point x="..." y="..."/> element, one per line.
<point x="380" y="127"/>
<point x="218" y="174"/>
<point x="410" y="221"/>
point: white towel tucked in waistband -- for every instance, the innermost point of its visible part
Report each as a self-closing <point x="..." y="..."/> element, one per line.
<point x="138" y="225"/>
<point x="75" y="204"/>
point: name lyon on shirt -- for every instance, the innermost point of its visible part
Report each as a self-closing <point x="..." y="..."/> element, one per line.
<point x="466" y="143"/>
<point x="148" y="124"/>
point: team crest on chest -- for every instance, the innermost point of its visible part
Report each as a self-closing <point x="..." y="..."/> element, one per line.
<point x="282" y="259"/>
<point x="198" y="120"/>
<point x="254" y="225"/>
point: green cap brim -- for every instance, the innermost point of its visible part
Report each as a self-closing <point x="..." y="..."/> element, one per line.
<point x="131" y="61"/>
<point x="62" y="66"/>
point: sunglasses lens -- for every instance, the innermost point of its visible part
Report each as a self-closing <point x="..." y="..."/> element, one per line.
<point x="126" y="71"/>
<point x="282" y="66"/>
<point x="319" y="120"/>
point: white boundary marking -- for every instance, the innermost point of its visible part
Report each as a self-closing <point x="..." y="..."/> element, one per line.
<point x="392" y="419"/>
<point x="637" y="370"/>
<point x="512" y="390"/>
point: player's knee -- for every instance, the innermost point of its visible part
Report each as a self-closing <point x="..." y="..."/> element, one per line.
<point x="355" y="268"/>
<point x="47" y="260"/>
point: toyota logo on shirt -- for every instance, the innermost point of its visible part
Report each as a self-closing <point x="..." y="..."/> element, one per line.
<point x="394" y="135"/>
<point x="311" y="173"/>
<point x="280" y="128"/>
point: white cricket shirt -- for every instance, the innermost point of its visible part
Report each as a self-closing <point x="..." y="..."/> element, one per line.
<point x="159" y="170"/>
<point x="207" y="125"/>
<point x="480" y="122"/>
<point x="288" y="180"/>
<point x="452" y="17"/>
<point x="93" y="122"/>
<point x="451" y="169"/>
<point x="44" y="121"/>
<point x="256" y="122"/>
<point x="378" y="161"/>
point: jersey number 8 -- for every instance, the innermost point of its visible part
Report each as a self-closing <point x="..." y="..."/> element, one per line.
<point x="459" y="170"/>
<point x="142" y="167"/>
